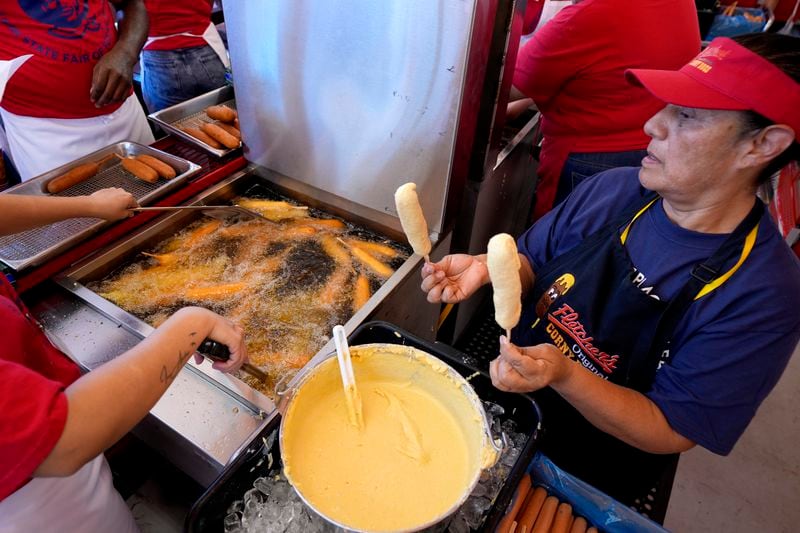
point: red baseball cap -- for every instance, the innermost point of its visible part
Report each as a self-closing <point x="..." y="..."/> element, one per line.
<point x="726" y="75"/>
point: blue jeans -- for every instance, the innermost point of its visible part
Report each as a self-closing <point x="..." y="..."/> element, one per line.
<point x="170" y="77"/>
<point x="580" y="166"/>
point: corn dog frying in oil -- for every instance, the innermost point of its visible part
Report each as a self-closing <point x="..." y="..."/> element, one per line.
<point x="412" y="219"/>
<point x="503" y="263"/>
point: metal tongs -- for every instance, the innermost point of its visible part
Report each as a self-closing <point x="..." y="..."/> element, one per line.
<point x="222" y="212"/>
<point x="216" y="351"/>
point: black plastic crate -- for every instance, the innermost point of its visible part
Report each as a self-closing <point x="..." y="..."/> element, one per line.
<point x="208" y="513"/>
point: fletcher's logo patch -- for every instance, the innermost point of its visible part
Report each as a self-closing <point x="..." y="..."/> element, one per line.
<point x="568" y="320"/>
<point x="705" y="61"/>
<point x="560" y="287"/>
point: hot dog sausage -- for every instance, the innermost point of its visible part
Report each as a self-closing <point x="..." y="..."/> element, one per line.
<point x="527" y="515"/>
<point x="163" y="169"/>
<point x="563" y="518"/>
<point x="579" y="525"/>
<point x="220" y="135"/>
<point x="546" y="515"/>
<point x="519" y="498"/>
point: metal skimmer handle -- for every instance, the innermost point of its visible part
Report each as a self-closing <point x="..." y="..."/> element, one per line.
<point x="216" y="351"/>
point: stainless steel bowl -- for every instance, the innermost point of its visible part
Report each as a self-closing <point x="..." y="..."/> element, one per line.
<point x="490" y="450"/>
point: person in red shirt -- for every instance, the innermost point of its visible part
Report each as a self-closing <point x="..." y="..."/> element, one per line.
<point x="533" y="12"/>
<point x="184" y="55"/>
<point x="573" y="69"/>
<point x="55" y="423"/>
<point x="67" y="77"/>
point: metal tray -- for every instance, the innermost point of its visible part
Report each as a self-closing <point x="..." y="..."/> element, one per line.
<point x="191" y="113"/>
<point x="33" y="247"/>
<point x="208" y="513"/>
<point x="119" y="254"/>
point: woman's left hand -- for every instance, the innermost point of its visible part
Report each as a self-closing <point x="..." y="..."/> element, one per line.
<point x="527" y="369"/>
<point x="112" y="77"/>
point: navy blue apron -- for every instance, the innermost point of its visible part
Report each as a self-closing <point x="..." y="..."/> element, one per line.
<point x="586" y="304"/>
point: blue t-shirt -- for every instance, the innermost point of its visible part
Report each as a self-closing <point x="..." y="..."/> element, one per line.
<point x="733" y="344"/>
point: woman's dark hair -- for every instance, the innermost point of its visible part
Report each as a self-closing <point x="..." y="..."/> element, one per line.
<point x="783" y="51"/>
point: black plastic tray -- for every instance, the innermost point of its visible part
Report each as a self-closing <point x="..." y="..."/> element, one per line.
<point x="208" y="512"/>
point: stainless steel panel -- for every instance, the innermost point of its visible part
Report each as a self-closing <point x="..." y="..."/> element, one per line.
<point x="512" y="186"/>
<point x="191" y="113"/>
<point x="353" y="97"/>
<point x="32" y="247"/>
<point x="194" y="424"/>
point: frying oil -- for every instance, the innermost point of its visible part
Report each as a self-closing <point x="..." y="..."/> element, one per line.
<point x="287" y="282"/>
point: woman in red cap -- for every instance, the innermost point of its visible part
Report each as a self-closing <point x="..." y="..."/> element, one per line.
<point x="661" y="301"/>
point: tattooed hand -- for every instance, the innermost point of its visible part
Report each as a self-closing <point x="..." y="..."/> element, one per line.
<point x="229" y="334"/>
<point x="185" y="330"/>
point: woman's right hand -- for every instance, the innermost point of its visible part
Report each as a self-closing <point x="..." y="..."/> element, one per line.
<point x="455" y="278"/>
<point x="112" y="203"/>
<point x="226" y="332"/>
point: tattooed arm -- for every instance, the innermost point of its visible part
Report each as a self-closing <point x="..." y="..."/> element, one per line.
<point x="106" y="403"/>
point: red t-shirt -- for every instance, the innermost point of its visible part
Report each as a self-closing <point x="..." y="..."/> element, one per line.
<point x="573" y="68"/>
<point x="67" y="39"/>
<point x="33" y="406"/>
<point x="170" y="17"/>
<point x="533" y="12"/>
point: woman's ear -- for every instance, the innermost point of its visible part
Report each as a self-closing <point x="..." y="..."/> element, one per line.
<point x="768" y="144"/>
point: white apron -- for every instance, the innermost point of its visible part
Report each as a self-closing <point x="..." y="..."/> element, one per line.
<point x="7" y="69"/>
<point x="81" y="503"/>
<point x="36" y="145"/>
<point x="210" y="36"/>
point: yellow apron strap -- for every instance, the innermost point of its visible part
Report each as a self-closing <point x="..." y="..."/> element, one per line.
<point x="749" y="242"/>
<point x="624" y="235"/>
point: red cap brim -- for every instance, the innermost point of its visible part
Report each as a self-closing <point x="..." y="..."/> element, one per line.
<point x="677" y="88"/>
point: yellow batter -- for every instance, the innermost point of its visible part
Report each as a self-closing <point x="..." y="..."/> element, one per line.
<point x="420" y="450"/>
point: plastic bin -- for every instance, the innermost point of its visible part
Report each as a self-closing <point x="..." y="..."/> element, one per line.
<point x="599" y="509"/>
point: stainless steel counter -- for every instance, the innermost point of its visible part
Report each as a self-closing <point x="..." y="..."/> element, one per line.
<point x="195" y="424"/>
<point x="199" y="424"/>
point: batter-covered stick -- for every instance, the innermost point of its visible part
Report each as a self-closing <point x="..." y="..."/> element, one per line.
<point x="503" y="263"/>
<point x="412" y="219"/>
